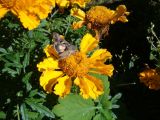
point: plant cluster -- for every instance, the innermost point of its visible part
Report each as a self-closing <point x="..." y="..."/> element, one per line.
<point x="53" y="65"/>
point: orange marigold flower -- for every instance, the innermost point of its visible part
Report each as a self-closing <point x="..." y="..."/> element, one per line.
<point x="76" y="67"/>
<point x="30" y="12"/>
<point x="151" y="78"/>
<point x="99" y="18"/>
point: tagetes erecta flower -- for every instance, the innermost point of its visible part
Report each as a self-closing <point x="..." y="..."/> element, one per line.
<point x="30" y="12"/>
<point x="67" y="3"/>
<point x="59" y="74"/>
<point x="151" y="78"/>
<point x="99" y="18"/>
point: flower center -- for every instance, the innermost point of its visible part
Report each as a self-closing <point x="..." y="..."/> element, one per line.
<point x="75" y="65"/>
<point x="99" y="15"/>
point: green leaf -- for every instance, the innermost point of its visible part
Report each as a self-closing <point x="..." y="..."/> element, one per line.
<point x="108" y="114"/>
<point x="2" y="50"/>
<point x="26" y="61"/>
<point x="40" y="108"/>
<point x="33" y="115"/>
<point x="104" y="100"/>
<point x="26" y="79"/>
<point x="2" y="115"/>
<point x="33" y="93"/>
<point x="74" y="106"/>
<point x="10" y="71"/>
<point x="99" y="117"/>
<point x="115" y="106"/>
<point x="24" y="112"/>
<point x="116" y="98"/>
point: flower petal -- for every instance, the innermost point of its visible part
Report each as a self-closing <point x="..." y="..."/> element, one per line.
<point x="3" y="11"/>
<point x="29" y="20"/>
<point x="103" y="69"/>
<point x="62" y="3"/>
<point x="120" y="14"/>
<point x="50" y="51"/>
<point x="63" y="86"/>
<point x="49" y="78"/>
<point x="77" y="25"/>
<point x="88" y="43"/>
<point x="48" y="64"/>
<point x="101" y="55"/>
<point x="42" y="8"/>
<point x="78" y="13"/>
<point x="89" y="87"/>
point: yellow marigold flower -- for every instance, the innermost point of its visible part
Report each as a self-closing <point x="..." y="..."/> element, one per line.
<point x="63" y="3"/>
<point x="151" y="78"/>
<point x="120" y="14"/>
<point x="30" y="12"/>
<point x="67" y="3"/>
<point x="99" y="18"/>
<point x="59" y="73"/>
<point x="78" y="13"/>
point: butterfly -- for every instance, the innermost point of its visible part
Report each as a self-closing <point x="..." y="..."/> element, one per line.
<point x="62" y="47"/>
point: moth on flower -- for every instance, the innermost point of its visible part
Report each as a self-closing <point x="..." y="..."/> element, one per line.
<point x="65" y="65"/>
<point x="62" y="48"/>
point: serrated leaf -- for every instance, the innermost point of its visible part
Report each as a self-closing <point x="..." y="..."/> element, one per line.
<point x="40" y="108"/>
<point x="74" y="106"/>
<point x="24" y="112"/>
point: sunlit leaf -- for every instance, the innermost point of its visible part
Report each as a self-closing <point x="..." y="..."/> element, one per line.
<point x="74" y="106"/>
